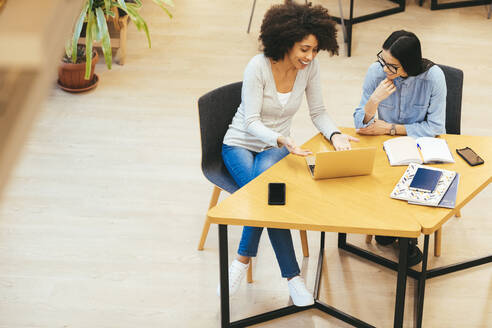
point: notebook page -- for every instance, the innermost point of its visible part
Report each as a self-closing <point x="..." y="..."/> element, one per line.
<point x="402" y="151"/>
<point x="434" y="150"/>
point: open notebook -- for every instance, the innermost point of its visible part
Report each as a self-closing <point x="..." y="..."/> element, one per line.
<point x="406" y="150"/>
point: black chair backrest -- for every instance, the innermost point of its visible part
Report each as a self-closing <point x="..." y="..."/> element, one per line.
<point x="454" y="83"/>
<point x="216" y="110"/>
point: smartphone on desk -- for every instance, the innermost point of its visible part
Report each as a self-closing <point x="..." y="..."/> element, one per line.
<point x="470" y="156"/>
<point x="276" y="193"/>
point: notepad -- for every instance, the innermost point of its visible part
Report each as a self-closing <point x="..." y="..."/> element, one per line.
<point x="406" y="150"/>
<point x="425" y="180"/>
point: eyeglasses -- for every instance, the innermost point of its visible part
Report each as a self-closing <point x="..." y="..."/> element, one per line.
<point x="392" y="68"/>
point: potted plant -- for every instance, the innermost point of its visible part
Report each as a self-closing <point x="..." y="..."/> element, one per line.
<point x="71" y="74"/>
<point x="93" y="21"/>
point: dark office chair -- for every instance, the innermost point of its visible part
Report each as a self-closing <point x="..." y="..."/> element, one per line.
<point x="454" y="86"/>
<point x="216" y="110"/>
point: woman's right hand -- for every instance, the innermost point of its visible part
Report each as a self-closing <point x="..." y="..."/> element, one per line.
<point x="383" y="91"/>
<point x="292" y="147"/>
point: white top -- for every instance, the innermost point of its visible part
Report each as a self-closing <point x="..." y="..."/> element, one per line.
<point x="261" y="118"/>
<point x="283" y="98"/>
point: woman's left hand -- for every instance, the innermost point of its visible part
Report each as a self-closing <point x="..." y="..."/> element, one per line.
<point x="342" y="141"/>
<point x="379" y="127"/>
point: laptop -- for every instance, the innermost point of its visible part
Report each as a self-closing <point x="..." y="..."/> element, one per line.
<point x="344" y="163"/>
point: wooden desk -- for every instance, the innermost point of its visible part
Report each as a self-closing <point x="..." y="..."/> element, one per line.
<point x="472" y="181"/>
<point x="349" y="205"/>
<point x="333" y="205"/>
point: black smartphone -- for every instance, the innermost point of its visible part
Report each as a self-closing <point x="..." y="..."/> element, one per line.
<point x="276" y="193"/>
<point x="470" y="156"/>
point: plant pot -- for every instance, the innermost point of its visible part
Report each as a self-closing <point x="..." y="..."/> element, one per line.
<point x="72" y="75"/>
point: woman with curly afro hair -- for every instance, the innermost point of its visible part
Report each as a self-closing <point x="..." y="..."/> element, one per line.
<point x="259" y="136"/>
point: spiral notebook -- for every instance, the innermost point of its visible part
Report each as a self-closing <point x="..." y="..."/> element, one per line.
<point x="402" y="189"/>
<point x="449" y="198"/>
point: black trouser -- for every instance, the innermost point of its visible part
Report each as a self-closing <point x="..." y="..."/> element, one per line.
<point x="412" y="242"/>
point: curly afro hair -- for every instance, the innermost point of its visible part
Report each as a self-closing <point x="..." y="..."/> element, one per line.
<point x="288" y="23"/>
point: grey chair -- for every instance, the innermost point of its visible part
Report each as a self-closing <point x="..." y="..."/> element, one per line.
<point x="216" y="110"/>
<point x="454" y="86"/>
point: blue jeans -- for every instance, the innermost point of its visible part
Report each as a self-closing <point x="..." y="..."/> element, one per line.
<point x="245" y="165"/>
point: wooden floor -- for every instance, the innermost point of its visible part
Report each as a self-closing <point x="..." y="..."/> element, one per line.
<point x="100" y="221"/>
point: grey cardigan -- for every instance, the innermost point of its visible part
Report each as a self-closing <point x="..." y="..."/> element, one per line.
<point x="261" y="119"/>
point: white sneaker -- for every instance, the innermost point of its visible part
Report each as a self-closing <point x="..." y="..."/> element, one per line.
<point x="237" y="270"/>
<point x="299" y="293"/>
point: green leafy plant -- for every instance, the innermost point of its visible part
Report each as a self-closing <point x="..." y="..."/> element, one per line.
<point x="94" y="14"/>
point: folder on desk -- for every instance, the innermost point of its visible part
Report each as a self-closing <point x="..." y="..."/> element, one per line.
<point x="449" y="198"/>
<point x="402" y="189"/>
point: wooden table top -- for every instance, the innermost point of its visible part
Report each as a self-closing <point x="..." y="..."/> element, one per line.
<point x="353" y="204"/>
<point x="473" y="179"/>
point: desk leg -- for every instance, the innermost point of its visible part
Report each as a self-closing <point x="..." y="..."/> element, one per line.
<point x="342" y="22"/>
<point x="251" y="16"/>
<point x="342" y="240"/>
<point x="224" y="277"/>
<point x="349" y="29"/>
<point x="419" y="311"/>
<point x="401" y="283"/>
<point x="320" y="266"/>
<point x="318" y="304"/>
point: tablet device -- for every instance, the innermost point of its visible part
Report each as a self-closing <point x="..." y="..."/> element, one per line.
<point x="425" y="180"/>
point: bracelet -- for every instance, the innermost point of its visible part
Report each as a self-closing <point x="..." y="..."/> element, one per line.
<point x="336" y="132"/>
